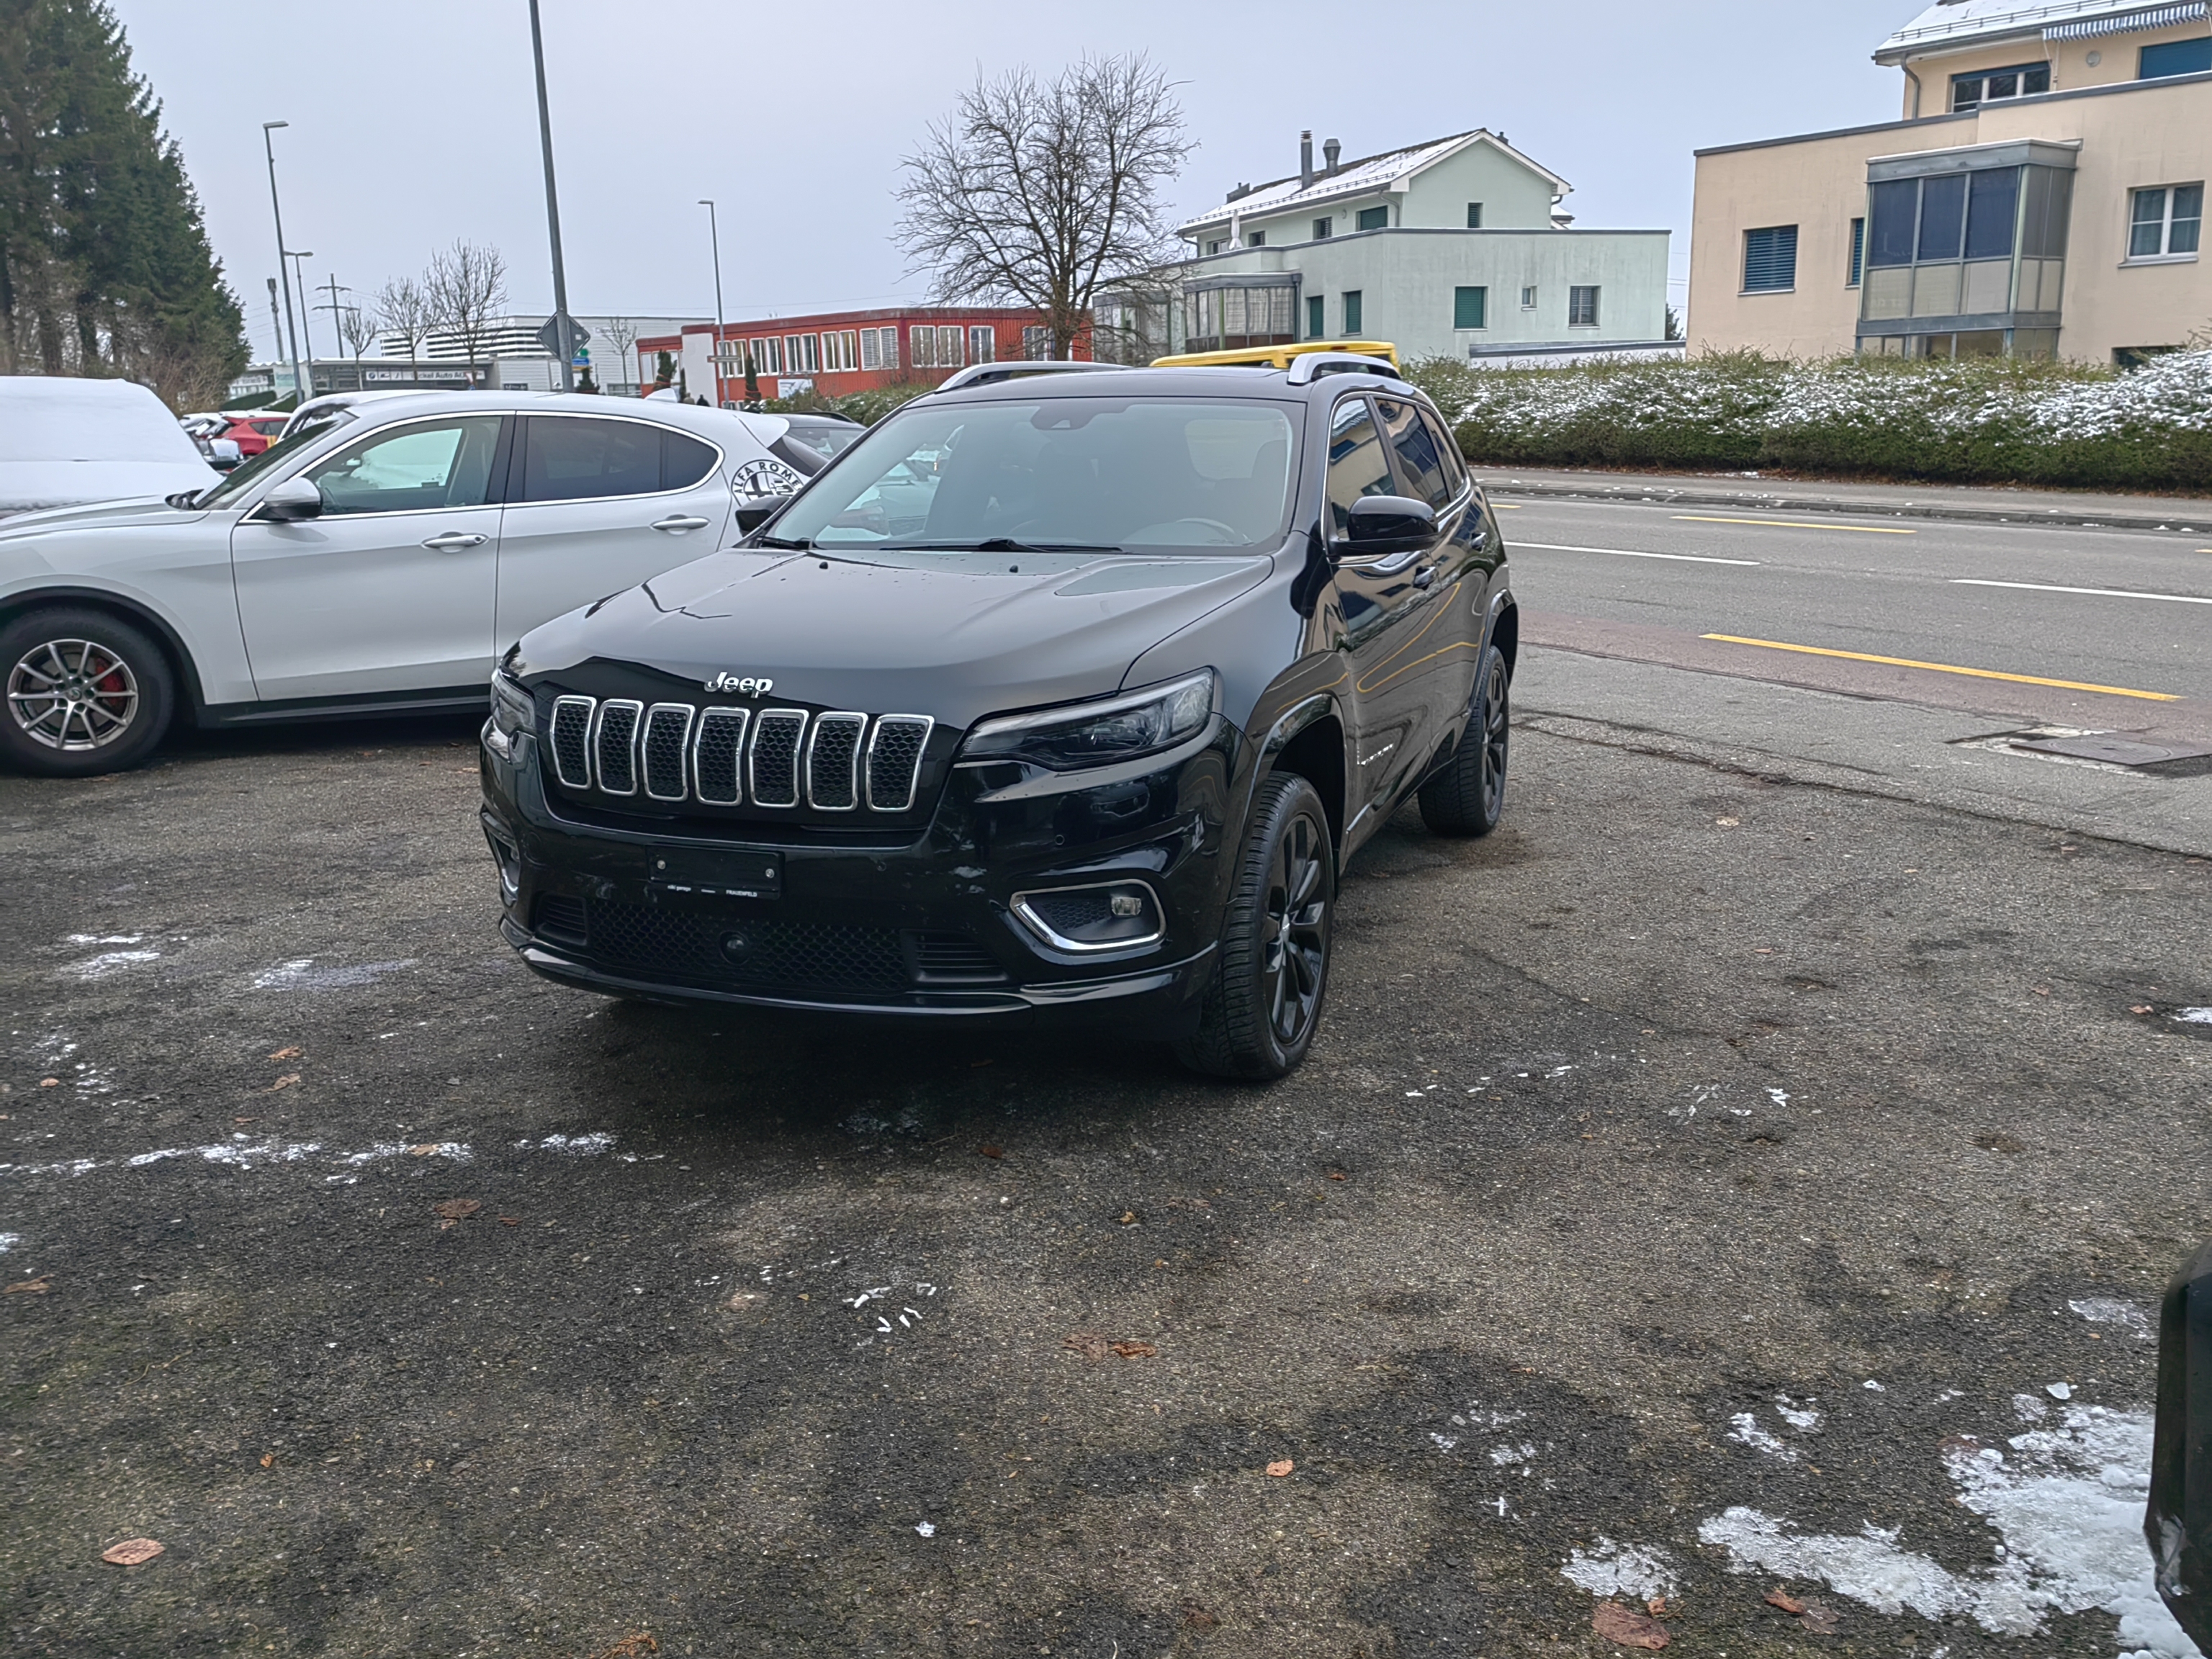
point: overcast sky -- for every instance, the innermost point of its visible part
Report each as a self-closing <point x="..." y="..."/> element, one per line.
<point x="414" y="121"/>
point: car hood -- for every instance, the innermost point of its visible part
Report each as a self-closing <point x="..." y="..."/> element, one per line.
<point x="98" y="515"/>
<point x="956" y="636"/>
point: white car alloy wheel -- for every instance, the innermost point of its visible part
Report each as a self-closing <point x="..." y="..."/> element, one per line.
<point x="72" y="695"/>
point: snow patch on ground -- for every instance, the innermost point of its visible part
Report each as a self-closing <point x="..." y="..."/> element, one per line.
<point x="302" y="975"/>
<point x="107" y="962"/>
<point x="1744" y="1430"/>
<point x="1803" y="1415"/>
<point x="2068" y="1504"/>
<point x="2194" y="1016"/>
<point x="8" y="1242"/>
<point x="1641" y="1572"/>
<point x="2110" y="1311"/>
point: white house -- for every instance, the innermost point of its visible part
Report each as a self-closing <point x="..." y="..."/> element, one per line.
<point x="1452" y="247"/>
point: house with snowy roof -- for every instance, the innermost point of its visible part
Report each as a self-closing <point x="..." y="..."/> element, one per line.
<point x="2041" y="194"/>
<point x="1454" y="246"/>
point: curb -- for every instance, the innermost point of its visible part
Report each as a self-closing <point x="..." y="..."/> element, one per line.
<point x="1665" y="494"/>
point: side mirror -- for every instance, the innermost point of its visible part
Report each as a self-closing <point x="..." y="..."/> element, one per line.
<point x="2179" y="1521"/>
<point x="294" y="499"/>
<point x="1384" y="524"/>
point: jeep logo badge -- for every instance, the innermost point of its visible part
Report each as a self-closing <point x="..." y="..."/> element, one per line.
<point x="747" y="687"/>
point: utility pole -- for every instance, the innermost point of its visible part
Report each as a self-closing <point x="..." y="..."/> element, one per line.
<point x="337" y="320"/>
<point x="268" y="144"/>
<point x="300" y="277"/>
<point x="275" y="324"/>
<point x="714" y="234"/>
<point x="552" y="206"/>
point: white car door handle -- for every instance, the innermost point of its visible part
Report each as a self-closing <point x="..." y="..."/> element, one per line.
<point x="675" y="524"/>
<point x="454" y="541"/>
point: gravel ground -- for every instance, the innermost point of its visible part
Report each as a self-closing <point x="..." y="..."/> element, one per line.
<point x="1703" y="1187"/>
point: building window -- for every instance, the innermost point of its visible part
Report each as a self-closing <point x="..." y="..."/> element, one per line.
<point x="1375" y="218"/>
<point x="1858" y="251"/>
<point x="982" y="344"/>
<point x="1470" y="308"/>
<point x="1528" y="298"/>
<point x="921" y="346"/>
<point x="1316" y="317"/>
<point x="2166" y="222"/>
<point x="1581" y="308"/>
<point x="1256" y="239"/>
<point x="1353" y="320"/>
<point x="1324" y="228"/>
<point x="871" y="350"/>
<point x="1036" y="342"/>
<point x="1995" y="86"/>
<point x="1215" y="246"/>
<point x="2175" y="58"/>
<point x="801" y="354"/>
<point x="949" y="344"/>
<point x="1770" y="260"/>
<point x="1474" y="215"/>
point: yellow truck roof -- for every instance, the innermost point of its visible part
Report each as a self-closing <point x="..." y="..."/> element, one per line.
<point x="1277" y="356"/>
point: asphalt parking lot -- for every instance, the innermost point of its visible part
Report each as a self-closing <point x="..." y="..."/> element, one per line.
<point x="1709" y="1186"/>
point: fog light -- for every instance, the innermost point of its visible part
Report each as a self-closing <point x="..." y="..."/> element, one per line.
<point x="509" y="859"/>
<point x="1116" y="916"/>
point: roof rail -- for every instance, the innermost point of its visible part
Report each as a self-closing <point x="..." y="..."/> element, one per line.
<point x="988" y="373"/>
<point x="1305" y="370"/>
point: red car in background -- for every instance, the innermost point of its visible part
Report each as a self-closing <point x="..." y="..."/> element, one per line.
<point x="253" y="431"/>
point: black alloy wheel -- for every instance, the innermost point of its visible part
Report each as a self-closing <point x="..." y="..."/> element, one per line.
<point x="86" y="693"/>
<point x="1264" y="1006"/>
<point x="1467" y="797"/>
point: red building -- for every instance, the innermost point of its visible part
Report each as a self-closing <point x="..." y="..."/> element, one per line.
<point x="843" y="351"/>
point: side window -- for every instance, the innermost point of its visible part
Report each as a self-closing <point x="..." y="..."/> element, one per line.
<point x="1358" y="464"/>
<point x="413" y="469"/>
<point x="1455" y="468"/>
<point x="567" y="459"/>
<point x="1419" y="455"/>
<point x="684" y="461"/>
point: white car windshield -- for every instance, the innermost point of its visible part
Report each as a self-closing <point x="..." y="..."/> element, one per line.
<point x="243" y="478"/>
<point x="1058" y="473"/>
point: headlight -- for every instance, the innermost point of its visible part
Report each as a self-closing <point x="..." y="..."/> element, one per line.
<point x="1097" y="734"/>
<point x="513" y="713"/>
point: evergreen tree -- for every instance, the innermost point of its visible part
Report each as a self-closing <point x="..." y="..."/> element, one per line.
<point x="105" y="266"/>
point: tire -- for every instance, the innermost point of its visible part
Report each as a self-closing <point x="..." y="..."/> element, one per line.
<point x="1264" y="1005"/>
<point x="84" y="691"/>
<point x="1467" y="797"/>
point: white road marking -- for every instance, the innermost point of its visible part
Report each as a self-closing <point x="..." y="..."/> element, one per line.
<point x="1632" y="553"/>
<point x="2094" y="592"/>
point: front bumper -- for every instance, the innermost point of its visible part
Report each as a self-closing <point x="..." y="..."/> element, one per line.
<point x="928" y="928"/>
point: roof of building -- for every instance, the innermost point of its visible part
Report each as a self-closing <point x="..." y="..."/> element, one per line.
<point x="1388" y="171"/>
<point x="1951" y="23"/>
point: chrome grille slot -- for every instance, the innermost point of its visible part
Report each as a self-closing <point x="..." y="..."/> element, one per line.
<point x="716" y="754"/>
<point x="667" y="725"/>
<point x="773" y="764"/>
<point x="895" y="760"/>
<point x="833" y="763"/>
<point x="614" y="745"/>
<point x="572" y="746"/>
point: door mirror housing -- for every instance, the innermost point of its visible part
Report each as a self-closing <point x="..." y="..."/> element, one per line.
<point x="294" y="499"/>
<point x="751" y="515"/>
<point x="2177" y="1522"/>
<point x="1382" y="524"/>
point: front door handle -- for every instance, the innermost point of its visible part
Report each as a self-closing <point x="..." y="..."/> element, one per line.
<point x="677" y="524"/>
<point x="454" y="541"/>
<point x="1428" y="574"/>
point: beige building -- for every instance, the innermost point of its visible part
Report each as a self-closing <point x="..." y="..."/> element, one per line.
<point x="2042" y="194"/>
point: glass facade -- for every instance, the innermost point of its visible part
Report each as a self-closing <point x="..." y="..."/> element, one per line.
<point x="1226" y="318"/>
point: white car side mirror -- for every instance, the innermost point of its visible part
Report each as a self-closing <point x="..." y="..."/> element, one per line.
<point x="294" y="499"/>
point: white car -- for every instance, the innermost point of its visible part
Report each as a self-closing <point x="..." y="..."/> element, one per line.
<point x="374" y="561"/>
<point x="65" y="440"/>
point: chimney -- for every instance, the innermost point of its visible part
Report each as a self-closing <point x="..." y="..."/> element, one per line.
<point x="1305" y="161"/>
<point x="1329" y="151"/>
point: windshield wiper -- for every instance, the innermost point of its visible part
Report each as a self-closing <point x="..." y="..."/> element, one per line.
<point x="998" y="545"/>
<point x="800" y="545"/>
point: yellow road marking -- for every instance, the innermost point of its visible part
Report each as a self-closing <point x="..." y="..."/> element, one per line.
<point x="1795" y="524"/>
<point x="1946" y="668"/>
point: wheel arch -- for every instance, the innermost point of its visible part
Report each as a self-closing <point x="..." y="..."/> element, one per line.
<point x="1506" y="634"/>
<point x="1309" y="741"/>
<point x="131" y="610"/>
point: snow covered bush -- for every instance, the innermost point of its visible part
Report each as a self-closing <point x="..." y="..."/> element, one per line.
<point x="1988" y="420"/>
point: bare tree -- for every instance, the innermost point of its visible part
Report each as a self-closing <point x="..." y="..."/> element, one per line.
<point x="1040" y="194"/>
<point x="466" y="288"/>
<point x="359" y="328"/>
<point x="621" y="334"/>
<point x="405" y="313"/>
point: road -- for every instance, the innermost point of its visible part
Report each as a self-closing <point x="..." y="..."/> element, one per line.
<point x="1722" y="1160"/>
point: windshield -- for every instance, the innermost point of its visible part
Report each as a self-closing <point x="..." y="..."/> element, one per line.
<point x="243" y="478"/>
<point x="1075" y="472"/>
<point x="826" y="439"/>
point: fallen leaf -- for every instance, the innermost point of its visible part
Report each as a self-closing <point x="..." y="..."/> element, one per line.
<point x="1197" y="1618"/>
<point x="1657" y="1606"/>
<point x="1726" y="823"/>
<point x="28" y="1287"/>
<point x="1082" y="1342"/>
<point x="285" y="1053"/>
<point x="1777" y="1597"/>
<point x="992" y="1151"/>
<point x="1135" y="1350"/>
<point x="424" y="1151"/>
<point x="245" y="1119"/>
<point x="2140" y="1008"/>
<point x="510" y="1221"/>
<point x="1820" y="1616"/>
<point x="457" y="1209"/>
<point x="284" y="1082"/>
<point x="1280" y="1467"/>
<point x="50" y="1083"/>
<point x="267" y="1458"/>
<point x="1128" y="1217"/>
<point x="1625" y="1626"/>
<point x="130" y="1552"/>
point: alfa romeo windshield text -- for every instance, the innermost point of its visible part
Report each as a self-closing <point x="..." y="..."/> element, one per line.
<point x="1064" y="473"/>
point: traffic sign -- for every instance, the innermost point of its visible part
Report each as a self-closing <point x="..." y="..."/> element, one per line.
<point x="563" y="336"/>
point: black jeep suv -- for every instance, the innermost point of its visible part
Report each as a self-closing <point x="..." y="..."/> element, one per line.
<point x="1058" y="695"/>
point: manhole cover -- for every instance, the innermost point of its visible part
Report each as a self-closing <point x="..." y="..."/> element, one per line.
<point x="2170" y="758"/>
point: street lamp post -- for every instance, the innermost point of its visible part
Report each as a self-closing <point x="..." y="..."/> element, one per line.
<point x="269" y="145"/>
<point x="552" y="207"/>
<point x="714" y="235"/>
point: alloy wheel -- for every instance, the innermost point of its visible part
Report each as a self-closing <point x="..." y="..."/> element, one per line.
<point x="1497" y="735"/>
<point x="1296" y="936"/>
<point x="72" y="695"/>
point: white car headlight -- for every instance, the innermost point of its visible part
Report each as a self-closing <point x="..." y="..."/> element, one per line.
<point x="1100" y="734"/>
